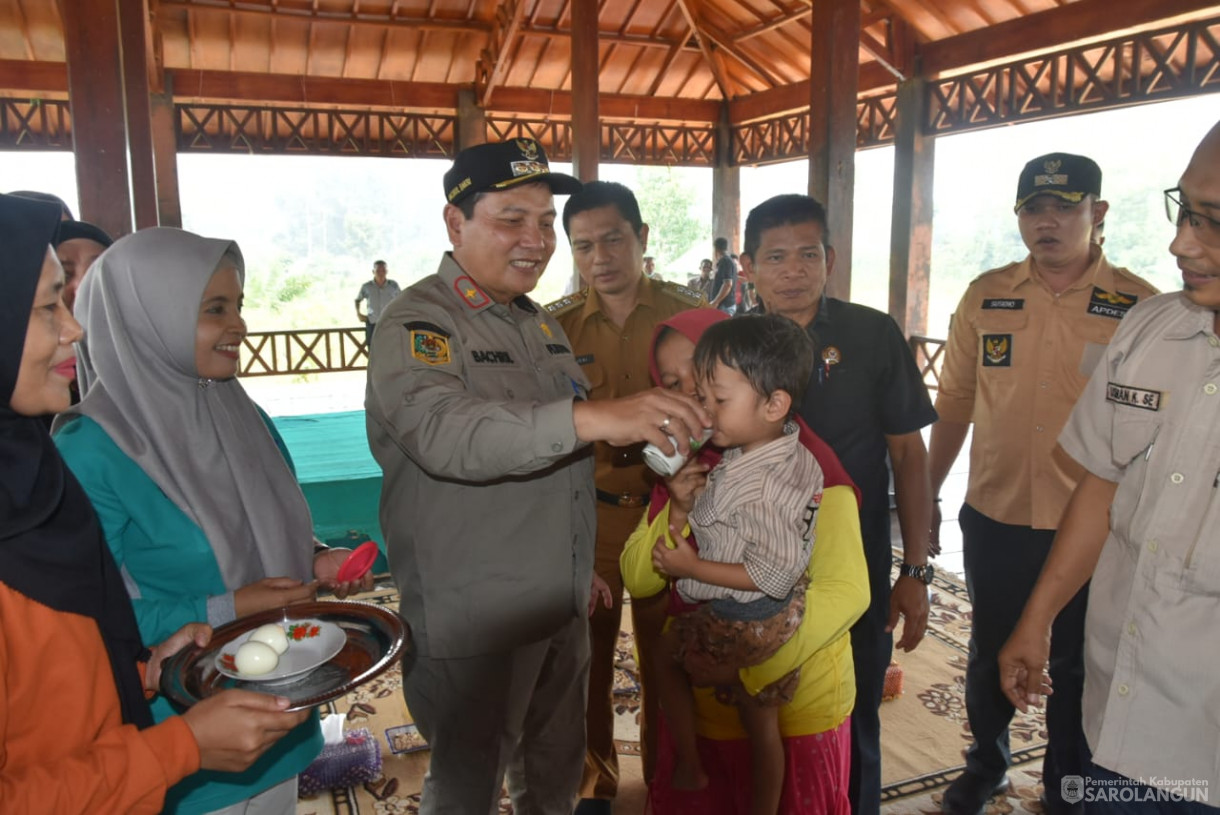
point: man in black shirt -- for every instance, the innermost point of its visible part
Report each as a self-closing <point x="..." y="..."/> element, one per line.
<point x="867" y="400"/>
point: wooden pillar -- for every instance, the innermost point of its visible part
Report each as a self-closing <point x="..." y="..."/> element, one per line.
<point x="165" y="155"/>
<point x="726" y="186"/>
<point x="834" y="82"/>
<point x="911" y="234"/>
<point x="586" y="130"/>
<point x="136" y="45"/>
<point x="99" y="127"/>
<point x="471" y="120"/>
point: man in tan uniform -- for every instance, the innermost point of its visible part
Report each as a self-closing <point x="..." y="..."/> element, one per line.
<point x="1142" y="525"/>
<point x="477" y="413"/>
<point x="1023" y="342"/>
<point x="610" y="324"/>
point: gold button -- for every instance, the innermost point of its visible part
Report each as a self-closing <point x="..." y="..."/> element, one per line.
<point x="1153" y="546"/>
<point x="1214" y="342"/>
<point x="1177" y="478"/>
<point x="1123" y="690"/>
<point x="1131" y="629"/>
<point x="1210" y="388"/>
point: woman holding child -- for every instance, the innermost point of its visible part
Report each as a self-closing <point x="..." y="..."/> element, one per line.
<point x="796" y="690"/>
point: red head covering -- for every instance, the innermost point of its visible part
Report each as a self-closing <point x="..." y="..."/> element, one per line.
<point x="691" y="324"/>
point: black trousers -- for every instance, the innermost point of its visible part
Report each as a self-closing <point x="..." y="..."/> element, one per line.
<point x="1002" y="565"/>
<point x="871" y="649"/>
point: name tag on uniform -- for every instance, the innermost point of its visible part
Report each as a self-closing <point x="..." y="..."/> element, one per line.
<point x="1003" y="304"/>
<point x="584" y="359"/>
<point x="1111" y="304"/>
<point x="556" y="348"/>
<point x="492" y="357"/>
<point x="1133" y="397"/>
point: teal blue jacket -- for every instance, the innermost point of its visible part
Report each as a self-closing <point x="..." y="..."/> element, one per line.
<point x="171" y="563"/>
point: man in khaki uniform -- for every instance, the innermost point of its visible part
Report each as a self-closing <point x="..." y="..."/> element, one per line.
<point x="477" y="414"/>
<point x="1022" y="344"/>
<point x="1142" y="524"/>
<point x="610" y="324"/>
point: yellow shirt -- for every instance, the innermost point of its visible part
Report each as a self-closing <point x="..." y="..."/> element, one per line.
<point x="838" y="594"/>
<point x="1017" y="359"/>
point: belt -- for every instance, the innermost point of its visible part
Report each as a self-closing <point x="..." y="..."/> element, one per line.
<point x="622" y="499"/>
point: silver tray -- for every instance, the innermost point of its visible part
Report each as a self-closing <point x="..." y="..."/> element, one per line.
<point x="375" y="639"/>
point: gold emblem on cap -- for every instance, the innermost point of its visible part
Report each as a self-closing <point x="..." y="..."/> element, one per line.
<point x="528" y="148"/>
<point x="1052" y="166"/>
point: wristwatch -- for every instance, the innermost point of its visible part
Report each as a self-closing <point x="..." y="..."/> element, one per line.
<point x="923" y="573"/>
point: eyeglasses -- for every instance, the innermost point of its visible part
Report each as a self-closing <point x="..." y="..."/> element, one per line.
<point x="1206" y="229"/>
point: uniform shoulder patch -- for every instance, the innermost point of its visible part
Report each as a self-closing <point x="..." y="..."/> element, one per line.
<point x="684" y="293"/>
<point x="563" y="305"/>
<point x="428" y="345"/>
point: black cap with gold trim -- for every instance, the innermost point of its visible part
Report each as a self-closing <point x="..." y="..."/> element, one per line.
<point x="1065" y="175"/>
<point x="499" y="165"/>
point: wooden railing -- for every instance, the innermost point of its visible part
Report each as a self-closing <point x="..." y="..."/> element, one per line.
<point x="930" y="357"/>
<point x="308" y="351"/>
<point x="324" y="350"/>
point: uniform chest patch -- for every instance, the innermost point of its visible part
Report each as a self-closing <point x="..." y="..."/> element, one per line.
<point x="429" y="346"/>
<point x="1133" y="397"/>
<point x="1111" y="304"/>
<point x="492" y="357"/>
<point x="557" y="349"/>
<point x="584" y="359"/>
<point x="1003" y="304"/>
<point x="997" y="350"/>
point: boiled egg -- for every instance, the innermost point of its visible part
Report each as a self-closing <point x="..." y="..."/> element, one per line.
<point x="256" y="658"/>
<point x="271" y="634"/>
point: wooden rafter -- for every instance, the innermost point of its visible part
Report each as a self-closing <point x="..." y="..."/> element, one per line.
<point x="494" y="59"/>
<point x="705" y="46"/>
<point x="25" y="32"/>
<point x="316" y="15"/>
<point x="725" y="44"/>
<point x="665" y="66"/>
<point x="771" y="25"/>
<point x="883" y="53"/>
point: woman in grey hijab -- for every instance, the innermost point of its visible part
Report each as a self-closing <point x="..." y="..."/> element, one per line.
<point x="198" y="502"/>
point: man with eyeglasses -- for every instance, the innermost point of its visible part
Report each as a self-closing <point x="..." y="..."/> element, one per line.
<point x="1022" y="344"/>
<point x="1142" y="523"/>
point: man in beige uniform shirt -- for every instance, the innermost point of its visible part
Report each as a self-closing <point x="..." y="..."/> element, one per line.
<point x="1022" y="344"/>
<point x="1142" y="523"/>
<point x="610" y="324"/>
<point x="477" y="414"/>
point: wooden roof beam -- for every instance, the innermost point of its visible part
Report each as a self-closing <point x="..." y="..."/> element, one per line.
<point x="313" y="15"/>
<point x="494" y="60"/>
<point x="688" y="12"/>
<point x="725" y="43"/>
<point x="1055" y="28"/>
<point x="771" y="25"/>
<point x="884" y="55"/>
<point x="638" y="40"/>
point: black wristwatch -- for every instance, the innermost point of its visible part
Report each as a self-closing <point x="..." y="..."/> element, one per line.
<point x="922" y="573"/>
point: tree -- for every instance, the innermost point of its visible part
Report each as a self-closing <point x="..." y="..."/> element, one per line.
<point x="667" y="205"/>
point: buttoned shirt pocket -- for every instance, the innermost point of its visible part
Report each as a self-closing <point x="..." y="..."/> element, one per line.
<point x="1202" y="563"/>
<point x="1134" y="441"/>
<point x="1001" y="337"/>
<point x="1095" y="335"/>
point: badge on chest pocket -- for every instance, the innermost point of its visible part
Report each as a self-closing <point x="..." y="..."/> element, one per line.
<point x="997" y="350"/>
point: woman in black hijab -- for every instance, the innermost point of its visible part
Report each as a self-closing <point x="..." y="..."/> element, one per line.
<point x="76" y="728"/>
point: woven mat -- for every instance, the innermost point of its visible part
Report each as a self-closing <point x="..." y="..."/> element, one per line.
<point x="924" y="730"/>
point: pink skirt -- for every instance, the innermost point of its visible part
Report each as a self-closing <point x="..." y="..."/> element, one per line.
<point x="815" y="776"/>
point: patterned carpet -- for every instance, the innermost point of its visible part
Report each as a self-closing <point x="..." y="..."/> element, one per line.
<point x="924" y="730"/>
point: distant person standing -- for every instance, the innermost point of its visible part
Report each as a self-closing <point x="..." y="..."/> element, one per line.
<point x="650" y="266"/>
<point x="725" y="281"/>
<point x="703" y="281"/>
<point x="378" y="292"/>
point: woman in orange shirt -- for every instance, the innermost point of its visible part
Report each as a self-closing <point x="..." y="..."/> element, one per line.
<point x="77" y="732"/>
